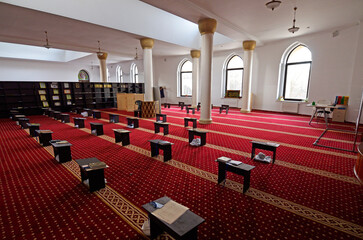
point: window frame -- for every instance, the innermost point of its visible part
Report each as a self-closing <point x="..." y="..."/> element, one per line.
<point x="180" y="78"/>
<point x="286" y="71"/>
<point x="225" y="73"/>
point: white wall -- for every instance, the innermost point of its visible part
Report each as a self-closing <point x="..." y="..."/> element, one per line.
<point x="336" y="70"/>
<point x="126" y="67"/>
<point x="30" y="70"/>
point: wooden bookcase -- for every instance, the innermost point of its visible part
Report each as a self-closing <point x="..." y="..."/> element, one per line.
<point x="31" y="97"/>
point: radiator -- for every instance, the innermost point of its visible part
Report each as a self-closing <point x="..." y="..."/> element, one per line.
<point x="290" y="107"/>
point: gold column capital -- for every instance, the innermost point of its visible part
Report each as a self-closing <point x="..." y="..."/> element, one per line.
<point x="207" y="25"/>
<point x="147" y="43"/>
<point x="102" y="55"/>
<point x="195" y="53"/>
<point x="249" y="45"/>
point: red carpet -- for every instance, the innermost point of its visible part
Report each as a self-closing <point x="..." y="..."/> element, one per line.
<point x="315" y="197"/>
<point x="40" y="199"/>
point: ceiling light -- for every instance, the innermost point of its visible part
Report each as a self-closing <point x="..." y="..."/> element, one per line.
<point x="273" y="4"/>
<point x="47" y="46"/>
<point x="294" y="28"/>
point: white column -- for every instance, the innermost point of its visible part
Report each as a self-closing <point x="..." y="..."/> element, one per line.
<point x="195" y="77"/>
<point x="207" y="27"/>
<point x="147" y="44"/>
<point x="248" y="47"/>
<point x="102" y="56"/>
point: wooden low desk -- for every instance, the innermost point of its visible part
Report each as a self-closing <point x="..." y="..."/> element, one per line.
<point x="190" y="108"/>
<point x="180" y="104"/>
<point x="265" y="146"/>
<point x="185" y="227"/>
<point x="96" y="128"/>
<point x="89" y="111"/>
<point x="137" y="113"/>
<point x="13" y="113"/>
<point x="114" y="118"/>
<point x="62" y="150"/>
<point x="51" y="113"/>
<point x="164" y="125"/>
<point x="159" y="115"/>
<point x="193" y="120"/>
<point x="242" y="169"/>
<point x="65" y="118"/>
<point x="96" y="114"/>
<point x="78" y="122"/>
<point x="23" y="122"/>
<point x="122" y="135"/>
<point x="56" y="115"/>
<point x="184" y="105"/>
<point x="166" y="105"/>
<point x="201" y="134"/>
<point x="32" y="127"/>
<point x="16" y="118"/>
<point x="224" y="107"/>
<point x="163" y="145"/>
<point x="134" y="121"/>
<point x="96" y="177"/>
<point x="46" y="111"/>
<point x="198" y="107"/>
<point x="45" y="136"/>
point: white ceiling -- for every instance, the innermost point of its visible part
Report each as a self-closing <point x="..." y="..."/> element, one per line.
<point x="119" y="24"/>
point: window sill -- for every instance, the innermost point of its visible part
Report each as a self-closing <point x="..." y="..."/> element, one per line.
<point x="290" y="101"/>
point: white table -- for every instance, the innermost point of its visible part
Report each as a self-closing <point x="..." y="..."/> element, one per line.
<point x="320" y="107"/>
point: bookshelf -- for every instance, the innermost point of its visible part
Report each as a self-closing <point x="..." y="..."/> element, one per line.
<point x="31" y="97"/>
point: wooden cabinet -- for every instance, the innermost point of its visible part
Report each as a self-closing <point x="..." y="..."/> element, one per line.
<point x="338" y="115"/>
<point x="126" y="101"/>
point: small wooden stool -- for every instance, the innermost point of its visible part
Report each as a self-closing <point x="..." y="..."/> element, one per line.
<point x="163" y="125"/>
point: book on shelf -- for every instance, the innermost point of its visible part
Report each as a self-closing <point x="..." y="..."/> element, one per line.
<point x="43" y="92"/>
<point x="69" y="97"/>
<point x="66" y="85"/>
<point x="55" y="91"/>
<point x="45" y="104"/>
<point x="57" y="104"/>
<point x="42" y="85"/>
<point x="56" y="97"/>
<point x="69" y="103"/>
<point x="67" y="91"/>
<point x="54" y="85"/>
<point x="43" y="98"/>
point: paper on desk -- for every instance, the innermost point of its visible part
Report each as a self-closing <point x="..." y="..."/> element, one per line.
<point x="170" y="212"/>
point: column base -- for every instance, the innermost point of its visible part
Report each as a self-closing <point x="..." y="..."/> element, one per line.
<point x="205" y="121"/>
<point x="194" y="106"/>
<point x="245" y="111"/>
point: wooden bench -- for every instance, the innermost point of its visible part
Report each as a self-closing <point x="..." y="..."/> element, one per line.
<point x="157" y="144"/>
<point x="159" y="115"/>
<point x="265" y="146"/>
<point x="193" y="120"/>
<point x="164" y="125"/>
<point x="200" y="133"/>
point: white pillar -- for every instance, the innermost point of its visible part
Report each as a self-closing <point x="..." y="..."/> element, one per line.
<point x="102" y="56"/>
<point x="147" y="44"/>
<point x="195" y="77"/>
<point x="248" y="47"/>
<point x="207" y="27"/>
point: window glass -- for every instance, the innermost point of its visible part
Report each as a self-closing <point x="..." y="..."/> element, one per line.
<point x="234" y="74"/>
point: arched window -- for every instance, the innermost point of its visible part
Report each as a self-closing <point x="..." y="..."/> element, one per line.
<point x="185" y="78"/>
<point x="134" y="72"/>
<point x="119" y="77"/>
<point x="233" y="74"/>
<point x="295" y="73"/>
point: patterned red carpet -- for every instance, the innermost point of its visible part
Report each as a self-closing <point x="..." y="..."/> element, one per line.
<point x="310" y="192"/>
